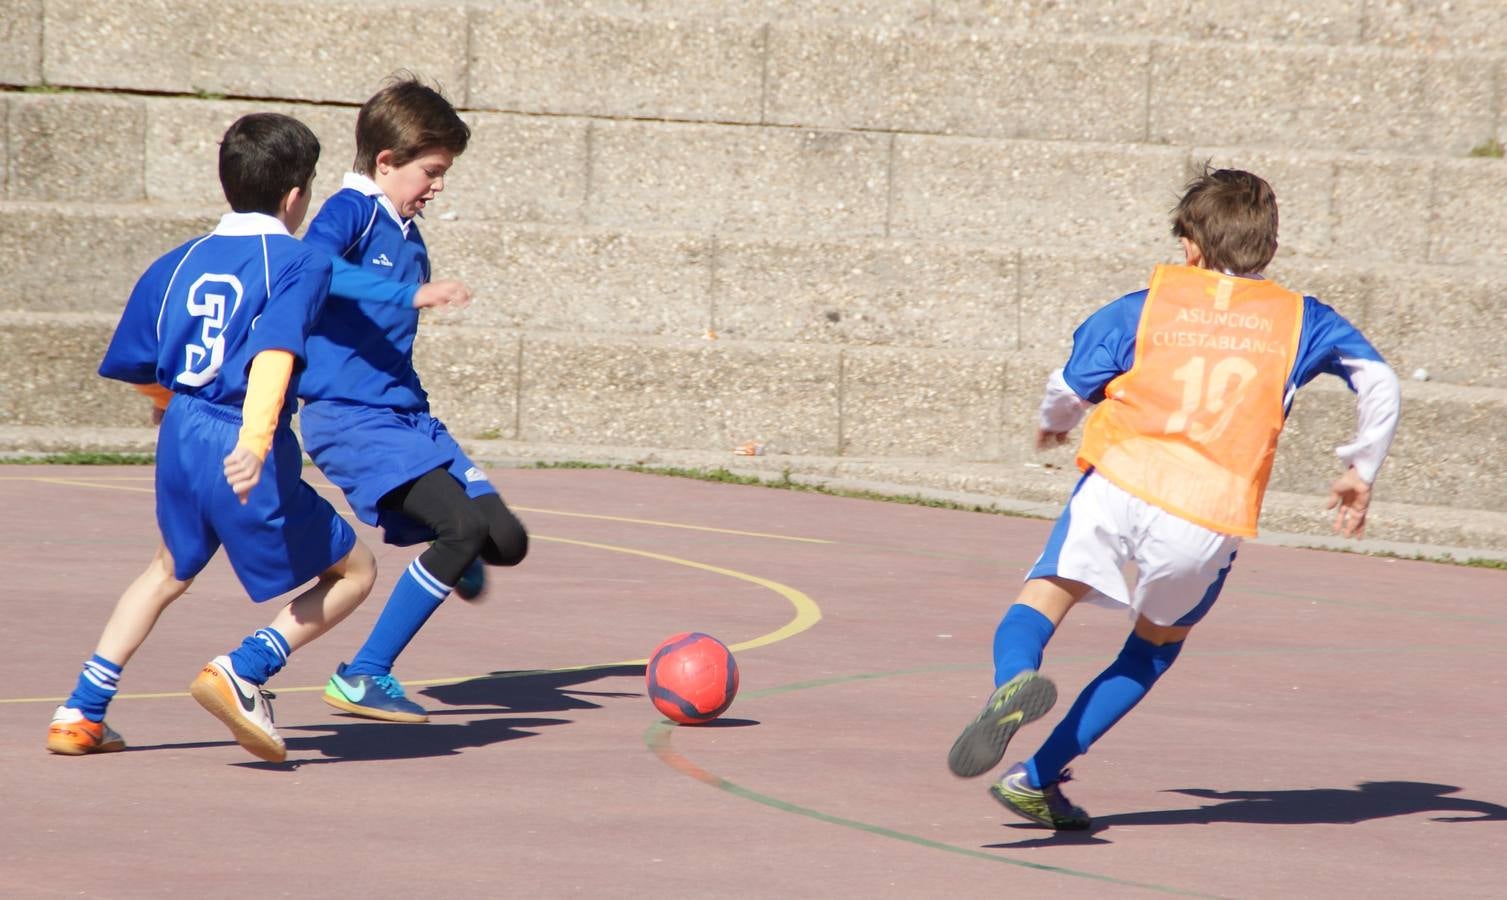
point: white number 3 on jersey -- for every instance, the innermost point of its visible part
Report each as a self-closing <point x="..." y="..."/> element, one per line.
<point x="207" y="300"/>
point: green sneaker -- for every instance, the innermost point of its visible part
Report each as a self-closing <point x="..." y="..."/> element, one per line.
<point x="372" y="696"/>
<point x="1044" y="806"/>
<point x="1024" y="698"/>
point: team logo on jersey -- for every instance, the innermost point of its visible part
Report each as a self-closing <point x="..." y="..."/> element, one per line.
<point x="474" y="474"/>
<point x="382" y="260"/>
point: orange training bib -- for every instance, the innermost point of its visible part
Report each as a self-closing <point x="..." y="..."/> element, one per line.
<point x="1193" y="426"/>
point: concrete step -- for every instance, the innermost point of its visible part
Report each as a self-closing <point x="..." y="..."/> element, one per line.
<point x="1129" y="89"/>
<point x="1424" y="83"/>
<point x="1473" y="25"/>
<point x="1463" y="25"/>
<point x="960" y="295"/>
<point x="1026" y="489"/>
<point x="739" y="179"/>
<point x="796" y="399"/>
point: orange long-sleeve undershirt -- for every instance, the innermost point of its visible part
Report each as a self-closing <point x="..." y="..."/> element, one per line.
<point x="266" y="385"/>
<point x="158" y="394"/>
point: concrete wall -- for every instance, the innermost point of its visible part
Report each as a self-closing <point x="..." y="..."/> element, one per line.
<point x="845" y="228"/>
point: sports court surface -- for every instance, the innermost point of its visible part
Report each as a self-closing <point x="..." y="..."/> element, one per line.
<point x="1335" y="727"/>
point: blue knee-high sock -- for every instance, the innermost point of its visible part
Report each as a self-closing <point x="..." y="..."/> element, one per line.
<point x="1104" y="702"/>
<point x="414" y="599"/>
<point x="95" y="689"/>
<point x="1019" y="642"/>
<point x="261" y="655"/>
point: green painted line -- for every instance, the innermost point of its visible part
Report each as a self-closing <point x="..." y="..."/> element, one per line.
<point x="657" y="737"/>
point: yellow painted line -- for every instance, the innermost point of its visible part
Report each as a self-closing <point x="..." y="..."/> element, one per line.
<point x="807" y="614"/>
<point x="326" y="486"/>
<point x="662" y="524"/>
<point x="96" y="478"/>
<point x="90" y="484"/>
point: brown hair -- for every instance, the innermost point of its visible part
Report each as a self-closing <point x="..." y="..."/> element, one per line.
<point x="263" y="156"/>
<point x="1232" y="216"/>
<point x="407" y="117"/>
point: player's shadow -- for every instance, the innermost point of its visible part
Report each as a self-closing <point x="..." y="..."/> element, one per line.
<point x="1314" y="806"/>
<point x="363" y="740"/>
<point x="480" y="699"/>
<point x="548" y="691"/>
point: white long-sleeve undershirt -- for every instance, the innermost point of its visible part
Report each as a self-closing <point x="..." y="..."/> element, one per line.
<point x="1378" y="407"/>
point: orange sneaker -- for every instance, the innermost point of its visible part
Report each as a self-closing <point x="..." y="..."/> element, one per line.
<point x="242" y="706"/>
<point x="73" y="735"/>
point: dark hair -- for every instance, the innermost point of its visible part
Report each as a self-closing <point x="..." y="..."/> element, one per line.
<point x="407" y="117"/>
<point x="1232" y="216"/>
<point x="263" y="156"/>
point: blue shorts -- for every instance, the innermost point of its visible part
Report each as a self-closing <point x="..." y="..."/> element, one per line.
<point x="284" y="535"/>
<point x="368" y="452"/>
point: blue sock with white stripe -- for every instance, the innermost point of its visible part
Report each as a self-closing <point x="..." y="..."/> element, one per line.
<point x="260" y="656"/>
<point x="1104" y="702"/>
<point x="414" y="599"/>
<point x="1019" y="642"/>
<point x="95" y="689"/>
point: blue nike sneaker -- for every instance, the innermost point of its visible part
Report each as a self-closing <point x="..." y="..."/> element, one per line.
<point x="372" y="696"/>
<point x="472" y="582"/>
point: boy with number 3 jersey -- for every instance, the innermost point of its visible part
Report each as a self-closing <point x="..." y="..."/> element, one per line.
<point x="216" y="331"/>
<point x="1190" y="383"/>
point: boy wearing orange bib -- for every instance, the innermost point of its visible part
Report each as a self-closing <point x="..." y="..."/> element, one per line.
<point x="1189" y="382"/>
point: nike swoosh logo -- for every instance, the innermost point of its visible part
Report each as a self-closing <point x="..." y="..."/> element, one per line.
<point x="351" y="692"/>
<point x="247" y="703"/>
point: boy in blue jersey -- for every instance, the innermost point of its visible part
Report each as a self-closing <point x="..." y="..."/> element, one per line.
<point x="1190" y="382"/>
<point x="365" y="419"/>
<point x="216" y="332"/>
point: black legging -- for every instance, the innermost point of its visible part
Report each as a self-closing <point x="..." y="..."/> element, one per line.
<point x="464" y="528"/>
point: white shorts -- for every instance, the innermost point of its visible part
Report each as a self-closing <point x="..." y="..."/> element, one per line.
<point x="1180" y="567"/>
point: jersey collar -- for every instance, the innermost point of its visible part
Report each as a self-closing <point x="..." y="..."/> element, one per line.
<point x="358" y="182"/>
<point x="234" y="224"/>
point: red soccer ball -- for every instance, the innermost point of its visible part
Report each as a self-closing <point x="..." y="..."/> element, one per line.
<point x="692" y="678"/>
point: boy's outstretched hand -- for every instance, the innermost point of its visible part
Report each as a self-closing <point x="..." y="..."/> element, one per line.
<point x="442" y="293"/>
<point x="1349" y="497"/>
<point x="243" y="470"/>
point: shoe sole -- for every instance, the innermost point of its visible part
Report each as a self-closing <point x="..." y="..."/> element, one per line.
<point x="982" y="744"/>
<point x="1006" y="801"/>
<point x="368" y="712"/>
<point x="69" y="748"/>
<point x="207" y="691"/>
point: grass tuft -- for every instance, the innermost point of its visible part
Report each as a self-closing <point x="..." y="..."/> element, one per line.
<point x="80" y="459"/>
<point x="1491" y="148"/>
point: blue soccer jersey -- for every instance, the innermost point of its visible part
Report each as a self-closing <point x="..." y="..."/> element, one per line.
<point x="201" y="313"/>
<point x="194" y="323"/>
<point x="361" y="350"/>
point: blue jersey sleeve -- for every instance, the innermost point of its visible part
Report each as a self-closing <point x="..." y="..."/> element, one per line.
<point x="132" y="356"/>
<point x="341" y="222"/>
<point x="1328" y="339"/>
<point x="295" y="299"/>
<point x="1104" y="347"/>
<point x="355" y="283"/>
